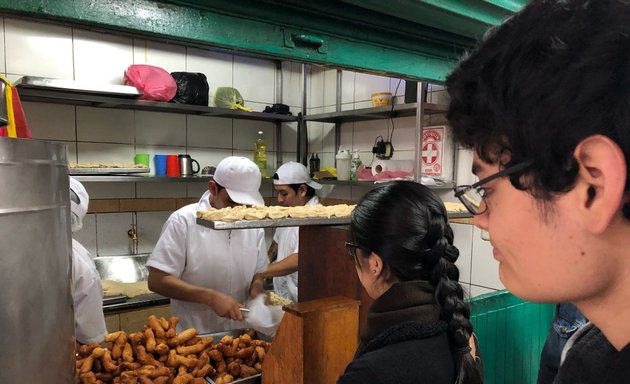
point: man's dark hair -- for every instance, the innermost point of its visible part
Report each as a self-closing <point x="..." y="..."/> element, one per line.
<point x="310" y="191"/>
<point x="552" y="75"/>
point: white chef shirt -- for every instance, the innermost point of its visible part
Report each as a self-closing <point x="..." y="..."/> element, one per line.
<point x="288" y="240"/>
<point x="89" y="321"/>
<point x="223" y="260"/>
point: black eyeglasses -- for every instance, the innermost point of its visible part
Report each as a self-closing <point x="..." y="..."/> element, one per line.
<point x="351" y="249"/>
<point x="472" y="196"/>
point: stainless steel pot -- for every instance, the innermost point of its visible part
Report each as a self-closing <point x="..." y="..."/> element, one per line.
<point x="36" y="320"/>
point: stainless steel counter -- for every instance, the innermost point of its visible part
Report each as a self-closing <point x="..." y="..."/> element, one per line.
<point x="127" y="269"/>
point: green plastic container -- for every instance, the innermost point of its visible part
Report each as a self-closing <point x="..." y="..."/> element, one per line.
<point x="511" y="334"/>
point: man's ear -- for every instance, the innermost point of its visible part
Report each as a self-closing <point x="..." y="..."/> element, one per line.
<point x="600" y="182"/>
<point x="302" y="190"/>
<point x="212" y="186"/>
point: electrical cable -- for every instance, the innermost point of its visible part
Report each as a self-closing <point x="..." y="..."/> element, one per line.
<point x="391" y="115"/>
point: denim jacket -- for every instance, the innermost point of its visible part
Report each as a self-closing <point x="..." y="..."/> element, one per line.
<point x="567" y="320"/>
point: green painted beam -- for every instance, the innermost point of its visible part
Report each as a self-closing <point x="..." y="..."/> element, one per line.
<point x="469" y="18"/>
<point x="345" y="36"/>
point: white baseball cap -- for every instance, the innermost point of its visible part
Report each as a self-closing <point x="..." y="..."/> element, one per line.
<point x="79" y="201"/>
<point x="241" y="179"/>
<point x="294" y="173"/>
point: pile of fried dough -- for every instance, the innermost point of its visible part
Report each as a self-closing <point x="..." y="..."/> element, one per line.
<point x="159" y="355"/>
<point x="242" y="212"/>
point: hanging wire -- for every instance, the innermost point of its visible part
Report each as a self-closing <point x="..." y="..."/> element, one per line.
<point x="391" y="115"/>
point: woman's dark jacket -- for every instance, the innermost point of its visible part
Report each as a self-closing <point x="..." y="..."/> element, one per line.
<point x="404" y="340"/>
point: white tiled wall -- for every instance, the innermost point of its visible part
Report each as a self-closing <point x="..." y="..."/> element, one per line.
<point x="104" y="135"/>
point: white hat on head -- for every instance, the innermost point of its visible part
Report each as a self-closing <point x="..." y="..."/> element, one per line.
<point x="294" y="173"/>
<point x="241" y="179"/>
<point x="79" y="201"/>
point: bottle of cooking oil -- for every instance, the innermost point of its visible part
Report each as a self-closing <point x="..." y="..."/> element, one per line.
<point x="260" y="154"/>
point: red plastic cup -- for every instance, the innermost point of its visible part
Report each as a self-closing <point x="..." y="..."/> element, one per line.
<point x="172" y="165"/>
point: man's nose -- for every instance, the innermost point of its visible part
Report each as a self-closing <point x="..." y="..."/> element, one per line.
<point x="481" y="221"/>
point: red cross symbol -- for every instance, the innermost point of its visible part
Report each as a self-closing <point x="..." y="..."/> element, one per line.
<point x="430" y="152"/>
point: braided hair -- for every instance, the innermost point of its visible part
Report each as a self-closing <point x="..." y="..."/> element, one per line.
<point x="407" y="226"/>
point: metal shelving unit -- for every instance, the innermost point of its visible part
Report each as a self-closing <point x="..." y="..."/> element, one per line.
<point x="29" y="93"/>
<point x="386" y="112"/>
<point x="140" y="179"/>
<point x="352" y="183"/>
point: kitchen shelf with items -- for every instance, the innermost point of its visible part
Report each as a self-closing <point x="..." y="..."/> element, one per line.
<point x="375" y="113"/>
<point x="383" y="109"/>
<point x="123" y="97"/>
<point x="142" y="179"/>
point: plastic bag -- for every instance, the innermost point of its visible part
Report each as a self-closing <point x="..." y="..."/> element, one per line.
<point x="281" y="109"/>
<point x="12" y="118"/>
<point x="226" y="97"/>
<point x="192" y="88"/>
<point x="153" y="82"/>
<point x="264" y="318"/>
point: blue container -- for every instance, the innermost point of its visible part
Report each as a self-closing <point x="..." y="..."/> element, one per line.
<point x="160" y="165"/>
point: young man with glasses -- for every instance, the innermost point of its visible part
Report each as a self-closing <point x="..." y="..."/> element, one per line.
<point x="543" y="102"/>
<point x="206" y="272"/>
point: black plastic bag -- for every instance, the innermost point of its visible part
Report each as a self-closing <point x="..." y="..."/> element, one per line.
<point x="192" y="88"/>
<point x="281" y="109"/>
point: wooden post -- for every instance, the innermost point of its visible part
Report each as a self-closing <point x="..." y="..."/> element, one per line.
<point x="325" y="269"/>
<point x="314" y="343"/>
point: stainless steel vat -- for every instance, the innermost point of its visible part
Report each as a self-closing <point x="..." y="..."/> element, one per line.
<point x="36" y="316"/>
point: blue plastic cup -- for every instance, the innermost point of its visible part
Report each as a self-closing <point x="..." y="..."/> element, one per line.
<point x="160" y="165"/>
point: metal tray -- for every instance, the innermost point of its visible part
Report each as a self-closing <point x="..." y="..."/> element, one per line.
<point x="78" y="86"/>
<point x="106" y="171"/>
<point x="269" y="223"/>
<point x="256" y="379"/>
<point x="289" y="222"/>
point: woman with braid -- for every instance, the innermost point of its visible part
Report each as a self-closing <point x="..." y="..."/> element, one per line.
<point x="418" y="328"/>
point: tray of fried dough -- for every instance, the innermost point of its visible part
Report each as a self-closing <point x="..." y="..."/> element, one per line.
<point x="241" y="217"/>
<point x="158" y="354"/>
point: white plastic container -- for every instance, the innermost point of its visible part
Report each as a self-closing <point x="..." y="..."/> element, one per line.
<point x="343" y="163"/>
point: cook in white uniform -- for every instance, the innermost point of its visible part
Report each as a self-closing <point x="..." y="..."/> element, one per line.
<point x="207" y="272"/>
<point x="295" y="188"/>
<point x="89" y="321"/>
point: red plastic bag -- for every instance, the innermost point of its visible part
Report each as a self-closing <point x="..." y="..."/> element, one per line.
<point x="153" y="82"/>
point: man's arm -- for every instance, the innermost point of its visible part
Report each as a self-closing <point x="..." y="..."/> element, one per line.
<point x="283" y="267"/>
<point x="170" y="286"/>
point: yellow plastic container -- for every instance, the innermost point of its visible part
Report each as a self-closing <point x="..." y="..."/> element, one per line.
<point x="380" y="99"/>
